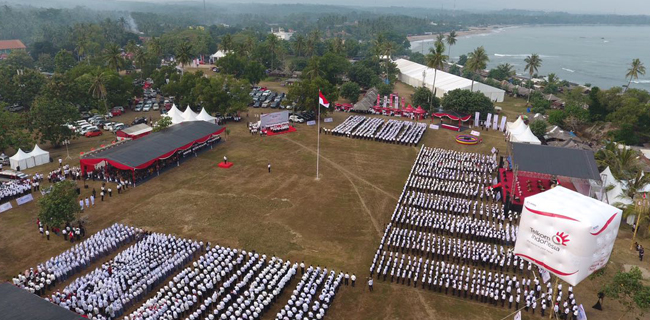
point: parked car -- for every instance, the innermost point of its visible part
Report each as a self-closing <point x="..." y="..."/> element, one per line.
<point x="4" y="159"/>
<point x="295" y="118"/>
<point x="156" y="106"/>
<point x="147" y="107"/>
<point x="257" y="104"/>
<point x="138" y="107"/>
<point x="14" y="108"/>
<point x="275" y="104"/>
<point x="139" y="120"/>
<point x="119" y="108"/>
<point x="265" y="104"/>
<point x="93" y="133"/>
<point x="117" y="127"/>
<point x="87" y="129"/>
<point x="116" y="112"/>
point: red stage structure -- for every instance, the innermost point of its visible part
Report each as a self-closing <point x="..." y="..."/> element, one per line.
<point x="452" y="115"/>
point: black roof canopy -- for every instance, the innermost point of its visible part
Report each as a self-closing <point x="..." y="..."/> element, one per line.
<point x="152" y="146"/>
<point x="19" y="304"/>
<point x="566" y="162"/>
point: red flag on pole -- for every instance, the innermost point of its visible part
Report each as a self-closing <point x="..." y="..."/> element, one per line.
<point x="322" y="100"/>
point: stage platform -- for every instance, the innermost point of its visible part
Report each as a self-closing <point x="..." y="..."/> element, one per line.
<point x="271" y="133"/>
<point x="225" y="165"/>
<point x="527" y="186"/>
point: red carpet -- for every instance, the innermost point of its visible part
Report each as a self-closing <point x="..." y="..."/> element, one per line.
<point x="225" y="165"/>
<point x="271" y="133"/>
<point x="523" y="191"/>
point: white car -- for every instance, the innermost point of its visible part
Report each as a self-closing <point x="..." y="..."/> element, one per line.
<point x="147" y="107"/>
<point x="295" y="118"/>
<point x="116" y="126"/>
<point x="156" y="106"/>
<point x="87" y="129"/>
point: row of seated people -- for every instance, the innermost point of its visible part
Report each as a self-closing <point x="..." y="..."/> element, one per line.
<point x="76" y="259"/>
<point x="223" y="284"/>
<point x="313" y="295"/>
<point x="118" y="284"/>
<point x="346" y="127"/>
<point x="413" y="133"/>
<point x="278" y="127"/>
<point x="367" y="129"/>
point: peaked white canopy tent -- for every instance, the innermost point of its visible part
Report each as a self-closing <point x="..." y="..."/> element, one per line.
<point x="205" y="116"/>
<point x="525" y="136"/>
<point x="21" y="160"/>
<point x="418" y="75"/>
<point x="40" y="156"/>
<point x="189" y="115"/>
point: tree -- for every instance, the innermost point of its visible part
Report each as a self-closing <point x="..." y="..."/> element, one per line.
<point x="477" y="61"/>
<point x="623" y="162"/>
<point x="636" y="68"/>
<point x="384" y="89"/>
<point x="362" y="75"/>
<point x="154" y="48"/>
<point x="226" y="43"/>
<point x="305" y="93"/>
<point x="18" y="59"/>
<point x="12" y="133"/>
<point x="60" y="205"/>
<point x="629" y="290"/>
<point x="467" y="102"/>
<point x="98" y="88"/>
<point x="462" y="60"/>
<point x="423" y="97"/>
<point x="440" y="39"/>
<point x="223" y="94"/>
<point x="551" y="84"/>
<point x="113" y="57"/>
<point x="597" y="109"/>
<point x="533" y="63"/>
<point x="451" y="40"/>
<point x="254" y="72"/>
<point x="538" y="128"/>
<point x="333" y="66"/>
<point x="162" y="123"/>
<point x="299" y="45"/>
<point x="63" y="61"/>
<point x="436" y="59"/>
<point x="49" y="116"/>
<point x="350" y="91"/>
<point x="502" y="72"/>
<point x="45" y="62"/>
<point x="140" y="58"/>
<point x="273" y="44"/>
<point x="183" y="53"/>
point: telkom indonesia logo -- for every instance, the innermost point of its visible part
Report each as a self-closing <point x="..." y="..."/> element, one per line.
<point x="561" y="239"/>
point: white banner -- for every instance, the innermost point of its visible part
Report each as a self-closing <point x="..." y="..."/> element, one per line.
<point x="329" y="120"/>
<point x="311" y="123"/>
<point x="5" y="206"/>
<point x="385" y="101"/>
<point x="477" y="116"/>
<point x="582" y="315"/>
<point x="488" y="122"/>
<point x="434" y="126"/>
<point x="503" y="124"/>
<point x="269" y="119"/>
<point x="546" y="277"/>
<point x="518" y="315"/>
<point x="475" y="133"/>
<point x="24" y="199"/>
<point x="495" y="124"/>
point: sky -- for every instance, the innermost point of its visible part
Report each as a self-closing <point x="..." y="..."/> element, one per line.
<point x="573" y="6"/>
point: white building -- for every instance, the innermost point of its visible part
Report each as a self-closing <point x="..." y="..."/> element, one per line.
<point x="282" y="35"/>
<point x="417" y="75"/>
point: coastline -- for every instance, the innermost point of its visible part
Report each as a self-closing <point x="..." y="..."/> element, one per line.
<point x="472" y="31"/>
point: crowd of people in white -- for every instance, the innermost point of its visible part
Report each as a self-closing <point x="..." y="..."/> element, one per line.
<point x="223" y="284"/>
<point x="116" y="285"/>
<point x="312" y="296"/>
<point x="391" y="131"/>
<point x="75" y="259"/>
<point x="13" y="189"/>
<point x="449" y="231"/>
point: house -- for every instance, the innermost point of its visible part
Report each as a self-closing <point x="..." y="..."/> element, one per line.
<point x="7" y="46"/>
<point x="283" y="35"/>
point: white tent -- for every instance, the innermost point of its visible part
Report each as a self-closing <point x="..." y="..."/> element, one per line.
<point x="189" y="115"/>
<point x="418" y="75"/>
<point x="22" y="160"/>
<point x="510" y="126"/>
<point x="205" y="116"/>
<point x="40" y="156"/>
<point x="526" y="136"/>
<point x="175" y="115"/>
<point x="567" y="233"/>
<point x="219" y="54"/>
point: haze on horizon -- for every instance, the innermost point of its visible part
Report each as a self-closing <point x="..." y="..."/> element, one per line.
<point x="622" y="7"/>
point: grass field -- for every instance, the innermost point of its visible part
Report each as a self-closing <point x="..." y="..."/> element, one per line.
<point x="336" y="221"/>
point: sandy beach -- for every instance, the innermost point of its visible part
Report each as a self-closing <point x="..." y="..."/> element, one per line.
<point x="471" y="31"/>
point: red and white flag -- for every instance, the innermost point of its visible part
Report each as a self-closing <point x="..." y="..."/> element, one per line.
<point x="322" y="100"/>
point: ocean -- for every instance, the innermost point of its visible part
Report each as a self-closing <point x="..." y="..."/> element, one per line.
<point x="599" y="55"/>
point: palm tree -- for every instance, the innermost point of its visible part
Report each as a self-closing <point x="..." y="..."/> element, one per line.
<point x="183" y="53"/>
<point x="436" y="59"/>
<point x="140" y="59"/>
<point x="451" y="40"/>
<point x="313" y="70"/>
<point x="113" y="56"/>
<point x="388" y="49"/>
<point x="533" y="63"/>
<point x="337" y="45"/>
<point x="226" y="43"/>
<point x="81" y="47"/>
<point x="272" y="42"/>
<point x="98" y="88"/>
<point x="440" y="38"/>
<point x="299" y="45"/>
<point x="122" y="23"/>
<point x="622" y="161"/>
<point x="637" y="68"/>
<point x="130" y="46"/>
<point x="249" y="45"/>
<point x="477" y="60"/>
<point x="506" y="69"/>
<point x="378" y="44"/>
<point x="154" y="47"/>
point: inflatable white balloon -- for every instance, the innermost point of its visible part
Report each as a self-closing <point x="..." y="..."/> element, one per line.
<point x="567" y="233"/>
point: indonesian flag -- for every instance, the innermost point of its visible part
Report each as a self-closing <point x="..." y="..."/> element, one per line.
<point x="322" y="100"/>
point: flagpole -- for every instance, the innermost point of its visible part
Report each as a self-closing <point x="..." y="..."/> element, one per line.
<point x="318" y="143"/>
